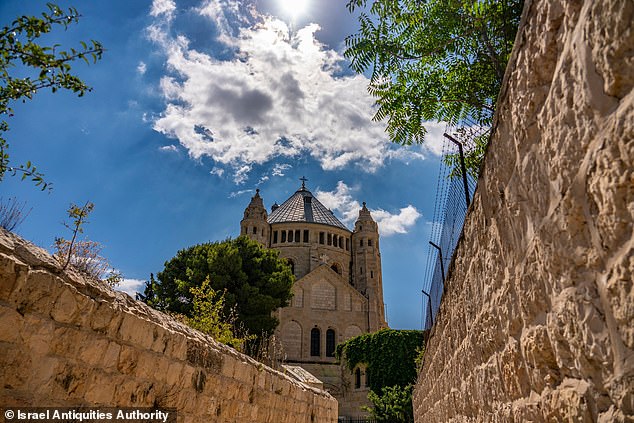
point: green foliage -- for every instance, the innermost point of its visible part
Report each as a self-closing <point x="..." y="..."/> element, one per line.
<point x="49" y="67"/>
<point x="440" y="60"/>
<point x="390" y="356"/>
<point x="418" y="360"/>
<point x="84" y="255"/>
<point x="208" y="316"/>
<point x="255" y="281"/>
<point x="393" y="405"/>
<point x="473" y="155"/>
<point x="65" y="249"/>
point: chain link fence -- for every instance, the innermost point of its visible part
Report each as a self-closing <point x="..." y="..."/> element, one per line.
<point x="457" y="180"/>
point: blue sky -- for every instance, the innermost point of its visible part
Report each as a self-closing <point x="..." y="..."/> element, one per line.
<point x="197" y="103"/>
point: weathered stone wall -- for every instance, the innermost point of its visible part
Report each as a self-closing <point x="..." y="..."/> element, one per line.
<point x="537" y="322"/>
<point x="67" y="341"/>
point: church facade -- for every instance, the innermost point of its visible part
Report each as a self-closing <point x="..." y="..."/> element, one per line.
<point x="338" y="291"/>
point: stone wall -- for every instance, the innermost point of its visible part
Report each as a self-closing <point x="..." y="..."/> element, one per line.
<point x="537" y="321"/>
<point x="68" y="341"/>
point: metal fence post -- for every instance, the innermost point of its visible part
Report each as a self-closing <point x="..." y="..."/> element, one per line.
<point x="442" y="265"/>
<point x="463" y="167"/>
<point x="428" y="307"/>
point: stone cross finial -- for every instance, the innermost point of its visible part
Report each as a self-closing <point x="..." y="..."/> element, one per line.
<point x="303" y="179"/>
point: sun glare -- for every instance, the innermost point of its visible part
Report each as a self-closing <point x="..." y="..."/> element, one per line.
<point x="293" y="8"/>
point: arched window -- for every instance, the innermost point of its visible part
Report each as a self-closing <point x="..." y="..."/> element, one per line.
<point x="290" y="236"/>
<point x="336" y="267"/>
<point x="315" y="342"/>
<point x="357" y="378"/>
<point x="330" y="343"/>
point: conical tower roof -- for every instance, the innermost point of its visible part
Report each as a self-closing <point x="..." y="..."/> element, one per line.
<point x="304" y="207"/>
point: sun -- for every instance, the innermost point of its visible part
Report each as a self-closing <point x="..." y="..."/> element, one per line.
<point x="293" y="8"/>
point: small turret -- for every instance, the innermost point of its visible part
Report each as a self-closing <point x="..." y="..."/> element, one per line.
<point x="254" y="223"/>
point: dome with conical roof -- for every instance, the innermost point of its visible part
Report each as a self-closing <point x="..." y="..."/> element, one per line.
<point x="304" y="207"/>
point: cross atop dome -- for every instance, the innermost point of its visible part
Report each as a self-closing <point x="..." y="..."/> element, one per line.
<point x="303" y="179"/>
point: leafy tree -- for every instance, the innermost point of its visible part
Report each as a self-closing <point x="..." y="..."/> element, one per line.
<point x="393" y="405"/>
<point x="84" y="255"/>
<point x="441" y="60"/>
<point x="27" y="67"/>
<point x="392" y="358"/>
<point x="255" y="281"/>
<point x="209" y="316"/>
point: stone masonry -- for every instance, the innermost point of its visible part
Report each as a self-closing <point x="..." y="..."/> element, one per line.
<point x="537" y="321"/>
<point x="69" y="341"/>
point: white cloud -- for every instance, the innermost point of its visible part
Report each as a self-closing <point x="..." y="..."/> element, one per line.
<point x="241" y="174"/>
<point x="163" y="7"/>
<point x="131" y="286"/>
<point x="400" y="223"/>
<point x="342" y="201"/>
<point x="280" y="168"/>
<point x="282" y="94"/>
<point x="217" y="171"/>
<point x="235" y="194"/>
<point x="141" y="68"/>
<point x="434" y="139"/>
<point x="169" y="148"/>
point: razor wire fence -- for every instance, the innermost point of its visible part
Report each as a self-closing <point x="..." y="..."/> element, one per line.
<point x="457" y="180"/>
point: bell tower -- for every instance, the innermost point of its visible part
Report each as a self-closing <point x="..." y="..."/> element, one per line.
<point x="366" y="261"/>
<point x="254" y="223"/>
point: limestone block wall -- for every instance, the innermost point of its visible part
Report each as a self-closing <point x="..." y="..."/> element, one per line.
<point x="537" y="321"/>
<point x="68" y="341"/>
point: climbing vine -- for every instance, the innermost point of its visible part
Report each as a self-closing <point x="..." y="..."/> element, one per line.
<point x="389" y="355"/>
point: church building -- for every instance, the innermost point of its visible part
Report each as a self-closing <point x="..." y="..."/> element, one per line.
<point x="338" y="291"/>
